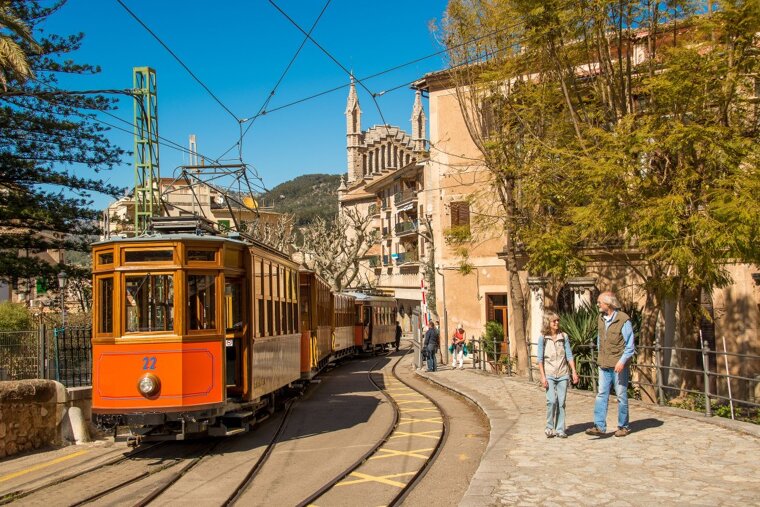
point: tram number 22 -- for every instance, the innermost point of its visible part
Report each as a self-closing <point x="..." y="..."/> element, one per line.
<point x="149" y="363"/>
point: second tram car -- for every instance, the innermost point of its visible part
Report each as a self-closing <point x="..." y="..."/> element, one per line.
<point x="375" y="321"/>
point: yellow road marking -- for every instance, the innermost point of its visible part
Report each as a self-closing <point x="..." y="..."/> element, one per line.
<point x="424" y="434"/>
<point x="383" y="479"/>
<point x="392" y="453"/>
<point x="406" y="402"/>
<point x="410" y="410"/>
<point x="41" y="466"/>
<point x="410" y="420"/>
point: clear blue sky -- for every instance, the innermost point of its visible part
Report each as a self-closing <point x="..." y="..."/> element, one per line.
<point x="239" y="49"/>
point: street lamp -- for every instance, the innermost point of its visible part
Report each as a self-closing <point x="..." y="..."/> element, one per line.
<point x="62" y="278"/>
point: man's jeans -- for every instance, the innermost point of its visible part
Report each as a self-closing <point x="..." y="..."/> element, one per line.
<point x="607" y="379"/>
<point x="556" y="394"/>
<point x="431" y="360"/>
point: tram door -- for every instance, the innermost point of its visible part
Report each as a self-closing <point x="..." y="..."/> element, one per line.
<point x="233" y="336"/>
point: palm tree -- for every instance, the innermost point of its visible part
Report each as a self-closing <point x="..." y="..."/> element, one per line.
<point x="13" y="60"/>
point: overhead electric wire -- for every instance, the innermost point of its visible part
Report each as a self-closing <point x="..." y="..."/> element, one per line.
<point x="57" y="91"/>
<point x="252" y="120"/>
<point x="329" y="55"/>
<point x="178" y="60"/>
<point x="385" y="71"/>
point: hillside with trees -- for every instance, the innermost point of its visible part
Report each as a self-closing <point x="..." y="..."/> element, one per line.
<point x="307" y="197"/>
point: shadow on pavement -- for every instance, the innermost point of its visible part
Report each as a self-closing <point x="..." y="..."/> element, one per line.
<point x="645" y="424"/>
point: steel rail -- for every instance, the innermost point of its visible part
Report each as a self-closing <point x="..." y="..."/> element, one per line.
<point x="345" y="473"/>
<point x="17" y="495"/>
<point x="399" y="499"/>
<point x="144" y="475"/>
<point x="248" y="479"/>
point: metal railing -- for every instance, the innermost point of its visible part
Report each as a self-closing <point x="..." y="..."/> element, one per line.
<point x="65" y="356"/>
<point x="404" y="196"/>
<point x="710" y="380"/>
<point x="406" y="227"/>
<point x="405" y="257"/>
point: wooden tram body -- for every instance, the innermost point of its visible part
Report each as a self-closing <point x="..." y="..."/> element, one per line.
<point x="316" y="323"/>
<point x="375" y="320"/>
<point x="192" y="334"/>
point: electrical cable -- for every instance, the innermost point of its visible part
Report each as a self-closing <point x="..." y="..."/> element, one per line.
<point x="386" y="71"/>
<point x="277" y="84"/>
<point x="329" y="55"/>
<point x="178" y="60"/>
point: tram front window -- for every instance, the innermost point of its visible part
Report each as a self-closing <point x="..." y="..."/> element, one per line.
<point x="150" y="303"/>
<point x="201" y="301"/>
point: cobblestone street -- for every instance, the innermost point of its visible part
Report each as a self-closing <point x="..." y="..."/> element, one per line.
<point x="671" y="457"/>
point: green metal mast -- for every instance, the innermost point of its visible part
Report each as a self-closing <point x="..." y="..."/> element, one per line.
<point x="147" y="174"/>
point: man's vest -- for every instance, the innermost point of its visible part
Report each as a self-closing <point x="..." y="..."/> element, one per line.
<point x="611" y="341"/>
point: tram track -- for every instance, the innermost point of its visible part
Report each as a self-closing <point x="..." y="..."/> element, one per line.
<point x="19" y="494"/>
<point x="382" y="450"/>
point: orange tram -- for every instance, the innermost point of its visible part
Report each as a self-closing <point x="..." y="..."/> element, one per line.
<point x="196" y="333"/>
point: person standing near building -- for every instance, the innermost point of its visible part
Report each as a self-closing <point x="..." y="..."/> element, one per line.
<point x="615" y="344"/>
<point x="431" y="346"/>
<point x="457" y="342"/>
<point x="556" y="363"/>
<point x="438" y="340"/>
<point x="399" y="332"/>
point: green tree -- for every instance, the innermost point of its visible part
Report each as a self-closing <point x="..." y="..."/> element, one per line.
<point x="14" y="63"/>
<point x="629" y="128"/>
<point x="45" y="135"/>
<point x="14" y="317"/>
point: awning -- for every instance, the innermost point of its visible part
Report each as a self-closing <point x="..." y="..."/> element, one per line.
<point x="405" y="207"/>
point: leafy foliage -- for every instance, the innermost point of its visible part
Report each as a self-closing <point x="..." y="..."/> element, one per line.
<point x="592" y="148"/>
<point x="14" y="317"/>
<point x="492" y="337"/>
<point x="46" y="135"/>
<point x="582" y="328"/>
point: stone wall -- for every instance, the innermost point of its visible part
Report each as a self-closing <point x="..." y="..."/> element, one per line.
<point x="36" y="413"/>
<point x="28" y="418"/>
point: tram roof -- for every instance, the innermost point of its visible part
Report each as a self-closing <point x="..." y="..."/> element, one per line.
<point x="363" y="296"/>
<point x="164" y="237"/>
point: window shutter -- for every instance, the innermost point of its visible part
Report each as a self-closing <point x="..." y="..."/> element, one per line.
<point x="460" y="214"/>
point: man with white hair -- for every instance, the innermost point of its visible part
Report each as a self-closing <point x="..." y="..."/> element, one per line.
<point x="615" y="345"/>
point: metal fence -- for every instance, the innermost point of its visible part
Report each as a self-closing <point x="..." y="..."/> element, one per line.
<point x="48" y="353"/>
<point x="710" y="379"/>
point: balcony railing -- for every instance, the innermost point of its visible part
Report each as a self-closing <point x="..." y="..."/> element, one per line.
<point x="404" y="196"/>
<point x="407" y="257"/>
<point x="403" y="228"/>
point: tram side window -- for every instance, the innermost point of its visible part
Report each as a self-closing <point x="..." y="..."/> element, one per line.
<point x="150" y="303"/>
<point x="233" y="302"/>
<point x="201" y="302"/>
<point x="105" y="292"/>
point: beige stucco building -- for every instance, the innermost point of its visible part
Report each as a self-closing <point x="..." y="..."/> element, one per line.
<point x="457" y="193"/>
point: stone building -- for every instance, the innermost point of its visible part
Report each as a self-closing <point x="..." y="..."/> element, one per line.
<point x="386" y="169"/>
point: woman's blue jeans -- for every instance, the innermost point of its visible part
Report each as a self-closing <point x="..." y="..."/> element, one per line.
<point x="607" y="379"/>
<point x="556" y="394"/>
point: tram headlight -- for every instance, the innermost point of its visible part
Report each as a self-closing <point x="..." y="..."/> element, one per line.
<point x="149" y="385"/>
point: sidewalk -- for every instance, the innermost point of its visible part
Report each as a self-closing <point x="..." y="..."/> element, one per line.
<point x="671" y="457"/>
